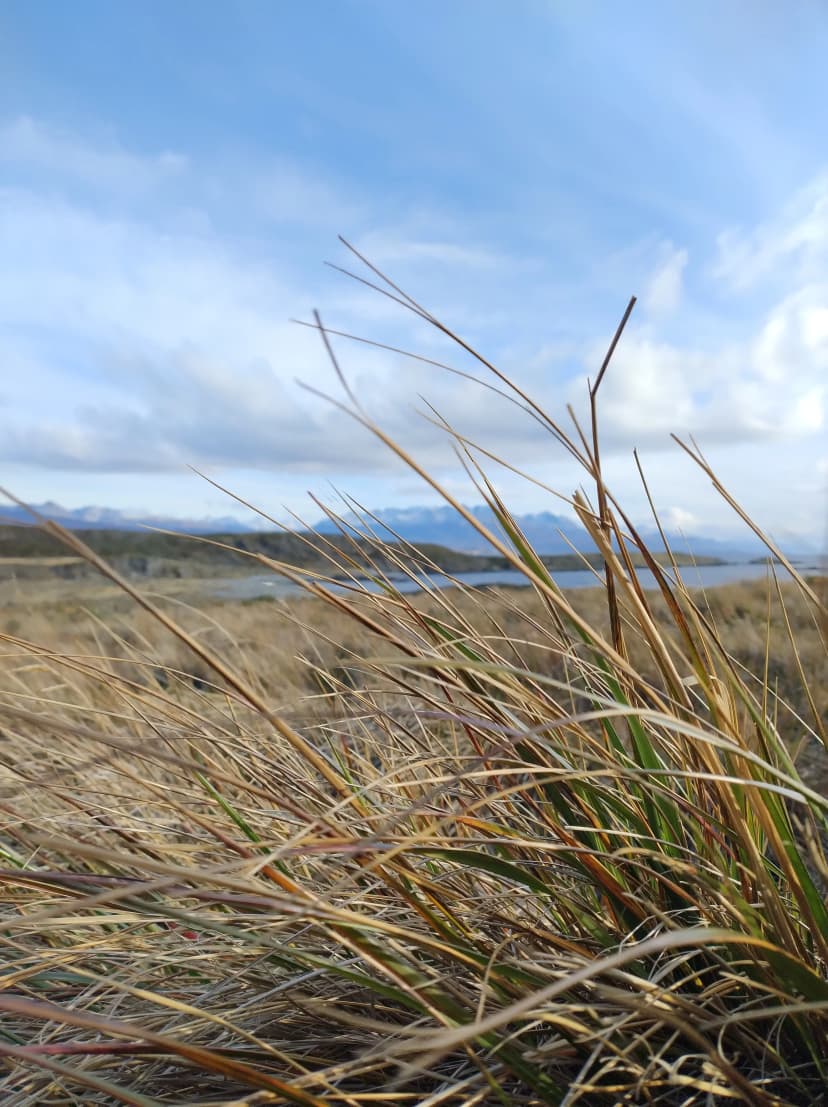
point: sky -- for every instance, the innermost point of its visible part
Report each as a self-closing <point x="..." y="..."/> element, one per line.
<point x="174" y="177"/>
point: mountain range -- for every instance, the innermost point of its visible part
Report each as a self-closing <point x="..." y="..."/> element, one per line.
<point x="109" y="518"/>
<point x="547" y="532"/>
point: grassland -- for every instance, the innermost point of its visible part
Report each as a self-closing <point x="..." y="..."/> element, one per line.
<point x="472" y="848"/>
<point x="769" y="634"/>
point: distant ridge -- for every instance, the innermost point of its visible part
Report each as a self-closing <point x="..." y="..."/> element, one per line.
<point x="109" y="518"/>
<point x="550" y="534"/>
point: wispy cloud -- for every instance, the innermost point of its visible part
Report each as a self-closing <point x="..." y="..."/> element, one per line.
<point x="28" y="144"/>
<point x="386" y="249"/>
<point x="148" y="307"/>
<point x="793" y="244"/>
<point x="664" y="290"/>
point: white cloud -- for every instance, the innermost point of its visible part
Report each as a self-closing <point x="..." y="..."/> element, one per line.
<point x="281" y="192"/>
<point x="769" y="385"/>
<point x="97" y="277"/>
<point x="664" y="291"/>
<point x="141" y="349"/>
<point x="26" y="143"/>
<point x="134" y="347"/>
<point x="795" y="242"/>
<point x="385" y="248"/>
<point x="187" y="356"/>
<point x="794" y="337"/>
<point x="680" y="520"/>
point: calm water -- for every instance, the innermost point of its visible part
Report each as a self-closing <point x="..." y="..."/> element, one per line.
<point x="703" y="576"/>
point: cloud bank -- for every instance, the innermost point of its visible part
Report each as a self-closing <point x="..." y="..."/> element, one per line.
<point x="145" y="326"/>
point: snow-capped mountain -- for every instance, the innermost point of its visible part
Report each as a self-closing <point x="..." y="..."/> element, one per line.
<point x="108" y="518"/>
<point x="547" y="532"/>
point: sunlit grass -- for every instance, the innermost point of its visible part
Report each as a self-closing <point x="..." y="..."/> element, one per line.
<point x="449" y="848"/>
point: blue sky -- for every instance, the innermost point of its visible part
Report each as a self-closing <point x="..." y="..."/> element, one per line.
<point x="174" y="175"/>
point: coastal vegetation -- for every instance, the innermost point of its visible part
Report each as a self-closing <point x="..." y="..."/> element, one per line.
<point x="458" y="847"/>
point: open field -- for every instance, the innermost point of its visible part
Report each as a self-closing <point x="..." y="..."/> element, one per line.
<point x="198" y="907"/>
<point x="84" y="616"/>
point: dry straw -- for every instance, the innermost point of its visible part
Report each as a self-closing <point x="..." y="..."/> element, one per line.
<point x="500" y="851"/>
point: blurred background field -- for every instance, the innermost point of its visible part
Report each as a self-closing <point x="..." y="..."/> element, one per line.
<point x="279" y="642"/>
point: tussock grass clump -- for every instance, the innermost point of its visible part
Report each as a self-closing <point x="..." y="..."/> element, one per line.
<point x="452" y="848"/>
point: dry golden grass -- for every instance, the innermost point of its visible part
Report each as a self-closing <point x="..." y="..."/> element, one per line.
<point x="461" y="848"/>
<point x="107" y="795"/>
<point x="273" y="641"/>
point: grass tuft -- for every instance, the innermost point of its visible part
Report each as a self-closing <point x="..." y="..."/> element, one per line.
<point x="452" y="847"/>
